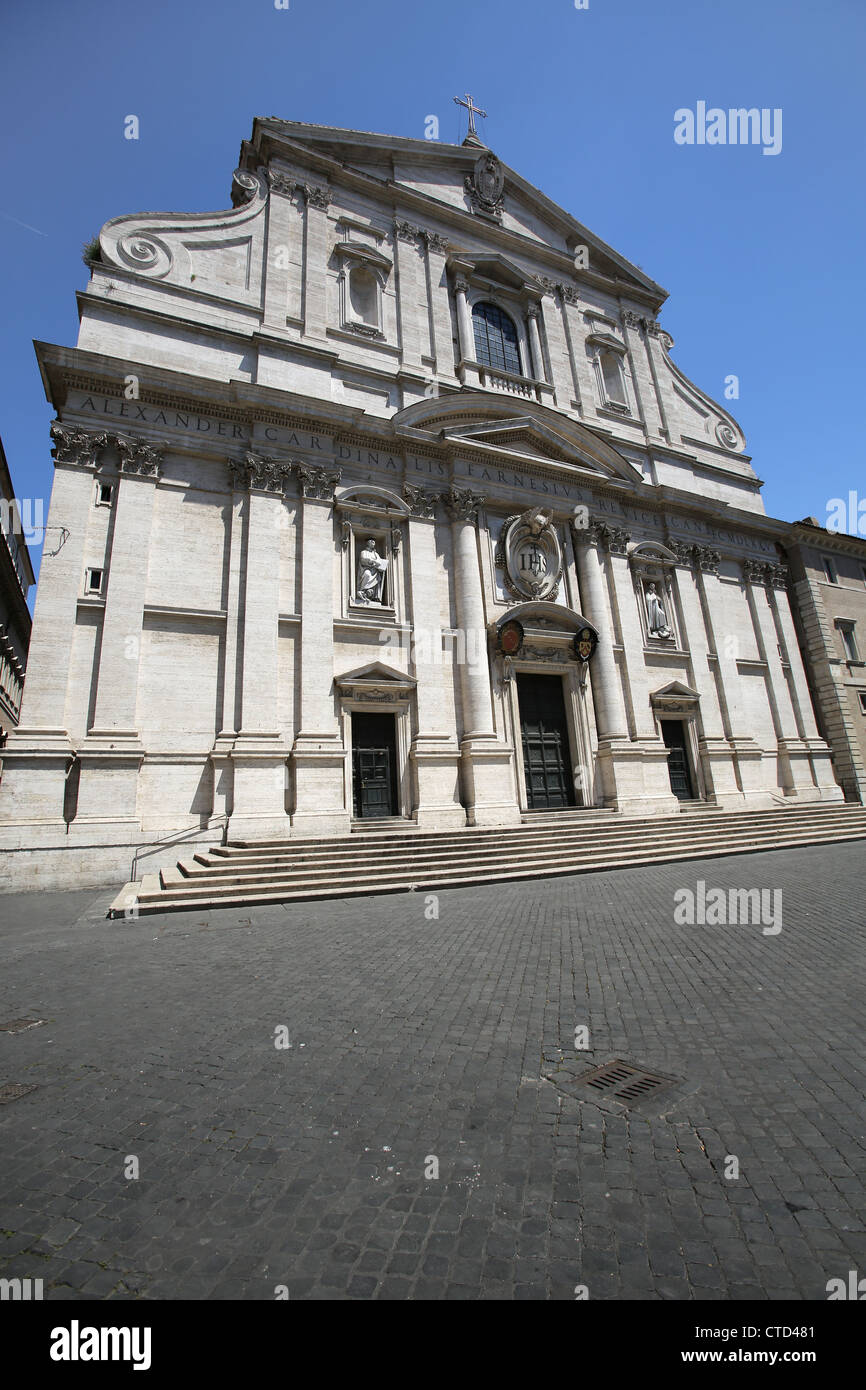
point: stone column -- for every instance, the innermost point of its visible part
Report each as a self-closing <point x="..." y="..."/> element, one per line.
<point x="440" y="316"/>
<point x="465" y="333"/>
<point x="607" y="698"/>
<point x="112" y="752"/>
<point x="488" y="789"/>
<point x="643" y="778"/>
<point x="434" y="753"/>
<point x="316" y="237"/>
<point x="233" y="653"/>
<point x="259" y="754"/>
<point x="778" y="695"/>
<point x="39" y="751"/>
<point x="716" y="755"/>
<point x="820" y="756"/>
<point x="555" y="326"/>
<point x="533" y="314"/>
<point x="747" y="753"/>
<point x="408" y="292"/>
<point x="322" y="777"/>
<point x="281" y="226"/>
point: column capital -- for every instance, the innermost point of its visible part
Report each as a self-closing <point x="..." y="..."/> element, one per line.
<point x="708" y="560"/>
<point x="615" y="538"/>
<point x="77" y="446"/>
<point x="421" y="502"/>
<point x="140" y="456"/>
<point x="462" y="504"/>
<point x="259" y="473"/>
<point x="406" y="231"/>
<point x="316" y="195"/>
<point x="435" y="242"/>
<point x="317" y="482"/>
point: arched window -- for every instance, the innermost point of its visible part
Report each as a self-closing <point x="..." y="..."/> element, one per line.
<point x="495" y="338"/>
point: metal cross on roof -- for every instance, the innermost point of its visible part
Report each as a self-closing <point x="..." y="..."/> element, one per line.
<point x="473" y="111"/>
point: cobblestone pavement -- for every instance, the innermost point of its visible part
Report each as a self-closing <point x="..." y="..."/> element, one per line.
<point x="414" y="1039"/>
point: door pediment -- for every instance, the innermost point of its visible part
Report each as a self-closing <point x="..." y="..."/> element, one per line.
<point x="374" y="679"/>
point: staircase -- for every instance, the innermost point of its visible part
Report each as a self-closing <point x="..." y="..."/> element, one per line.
<point x="279" y="871"/>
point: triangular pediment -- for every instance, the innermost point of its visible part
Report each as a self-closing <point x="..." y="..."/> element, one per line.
<point x="520" y="436"/>
<point x="675" y="693"/>
<point x="435" y="172"/>
<point x="507" y="425"/>
<point x="375" y="674"/>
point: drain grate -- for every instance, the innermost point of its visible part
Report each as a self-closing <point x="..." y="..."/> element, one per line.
<point x="14" y="1091"/>
<point x="624" y="1082"/>
<point x="18" y="1025"/>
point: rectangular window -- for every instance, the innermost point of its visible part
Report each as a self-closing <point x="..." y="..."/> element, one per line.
<point x="862" y="697"/>
<point x="830" y="570"/>
<point x="93" y="581"/>
<point x="104" y="492"/>
<point x="614" y="379"/>
<point x="849" y="641"/>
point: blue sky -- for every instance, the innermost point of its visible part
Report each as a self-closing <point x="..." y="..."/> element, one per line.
<point x="762" y="255"/>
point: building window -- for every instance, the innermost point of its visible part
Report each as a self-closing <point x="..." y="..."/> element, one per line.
<point x="830" y="569"/>
<point x="93" y="581"/>
<point x="613" y="377"/>
<point x="849" y="641"/>
<point x="104" y="494"/>
<point x="496" y="341"/>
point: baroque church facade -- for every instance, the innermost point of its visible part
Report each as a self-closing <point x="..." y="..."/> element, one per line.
<point x="383" y="499"/>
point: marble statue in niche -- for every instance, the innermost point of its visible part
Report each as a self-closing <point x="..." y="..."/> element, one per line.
<point x="371" y="573"/>
<point x="656" y="617"/>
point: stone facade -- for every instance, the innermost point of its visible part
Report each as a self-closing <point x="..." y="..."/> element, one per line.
<point x="828" y="574"/>
<point x="301" y="497"/>
<point x="16" y="577"/>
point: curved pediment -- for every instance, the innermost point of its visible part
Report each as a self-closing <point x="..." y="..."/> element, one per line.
<point x="555" y="617"/>
<point x="489" y="421"/>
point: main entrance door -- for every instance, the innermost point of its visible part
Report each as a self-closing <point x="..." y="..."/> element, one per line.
<point x="544" y="729"/>
<point x="674" y="735"/>
<point x="374" y="766"/>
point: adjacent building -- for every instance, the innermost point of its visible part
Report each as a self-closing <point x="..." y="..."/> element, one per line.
<point x="385" y="498"/>
<point x="16" y="577"/>
<point x="828" y="576"/>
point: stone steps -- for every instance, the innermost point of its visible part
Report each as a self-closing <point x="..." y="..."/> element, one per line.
<point x="454" y="849"/>
<point x="293" y="871"/>
<point x="519" y="836"/>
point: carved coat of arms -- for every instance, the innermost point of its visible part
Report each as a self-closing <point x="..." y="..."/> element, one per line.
<point x="485" y="185"/>
<point x="530" y="556"/>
